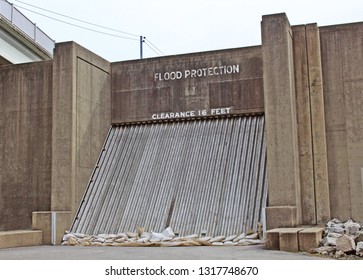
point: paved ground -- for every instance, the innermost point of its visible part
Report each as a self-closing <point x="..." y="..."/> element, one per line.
<point x="148" y="253"/>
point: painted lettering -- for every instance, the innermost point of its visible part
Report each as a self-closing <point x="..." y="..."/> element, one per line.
<point x="220" y="111"/>
<point x="191" y="113"/>
<point x="197" y="73"/>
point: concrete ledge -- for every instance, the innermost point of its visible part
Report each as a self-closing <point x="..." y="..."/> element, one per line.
<point x="20" y="238"/>
<point x="309" y="238"/>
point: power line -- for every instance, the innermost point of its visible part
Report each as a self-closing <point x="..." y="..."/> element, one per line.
<point x="76" y="19"/>
<point x="154" y="48"/>
<point x="75" y="25"/>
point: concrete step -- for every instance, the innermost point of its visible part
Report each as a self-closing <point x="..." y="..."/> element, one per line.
<point x="20" y="238"/>
<point x="294" y="239"/>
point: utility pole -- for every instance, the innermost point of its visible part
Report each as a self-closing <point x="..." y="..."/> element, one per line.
<point x="142" y="40"/>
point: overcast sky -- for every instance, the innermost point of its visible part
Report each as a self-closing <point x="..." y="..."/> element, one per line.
<point x="176" y="27"/>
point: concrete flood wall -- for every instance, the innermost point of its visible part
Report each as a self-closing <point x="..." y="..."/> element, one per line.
<point x="81" y="119"/>
<point x="54" y="118"/>
<point x="213" y="84"/>
<point x="306" y="80"/>
<point x="26" y="142"/>
<point x="342" y="58"/>
<point x="313" y="94"/>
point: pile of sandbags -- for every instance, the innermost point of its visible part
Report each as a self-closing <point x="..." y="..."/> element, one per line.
<point x="165" y="238"/>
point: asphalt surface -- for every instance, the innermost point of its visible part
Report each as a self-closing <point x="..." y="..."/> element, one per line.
<point x="149" y="253"/>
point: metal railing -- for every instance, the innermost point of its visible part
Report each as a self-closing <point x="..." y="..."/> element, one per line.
<point x="26" y="26"/>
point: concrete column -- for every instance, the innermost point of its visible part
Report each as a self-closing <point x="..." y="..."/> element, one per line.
<point x="81" y="120"/>
<point x="284" y="207"/>
<point x="322" y="198"/>
<point x="311" y="125"/>
<point x="63" y="121"/>
<point x="308" y="211"/>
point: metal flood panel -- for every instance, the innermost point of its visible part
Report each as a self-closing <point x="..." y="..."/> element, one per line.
<point x="204" y="175"/>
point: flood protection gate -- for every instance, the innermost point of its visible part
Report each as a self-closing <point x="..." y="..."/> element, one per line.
<point x="195" y="176"/>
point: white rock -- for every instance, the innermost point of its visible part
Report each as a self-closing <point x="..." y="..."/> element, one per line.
<point x="329" y="241"/>
<point x="359" y="249"/>
<point x="339" y="254"/>
<point x="351" y="227"/>
<point x="334" y="230"/>
<point x="334" y="235"/>
<point x="358" y="237"/>
<point x="217" y="239"/>
<point x="345" y="243"/>
<point x="333" y="222"/>
<point x="320" y="250"/>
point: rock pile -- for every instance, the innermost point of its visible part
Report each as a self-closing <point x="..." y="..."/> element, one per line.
<point x="341" y="239"/>
<point x="165" y="238"/>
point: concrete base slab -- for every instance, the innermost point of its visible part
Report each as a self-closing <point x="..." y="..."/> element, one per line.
<point x="294" y="239"/>
<point x="309" y="238"/>
<point x="273" y="239"/>
<point x="289" y="240"/>
<point x="20" y="238"/>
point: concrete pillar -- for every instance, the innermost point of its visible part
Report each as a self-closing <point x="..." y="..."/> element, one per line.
<point x="81" y="119"/>
<point x="281" y="124"/>
<point x="322" y="201"/>
<point x="63" y="120"/>
<point x="308" y="211"/>
<point x="311" y="125"/>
